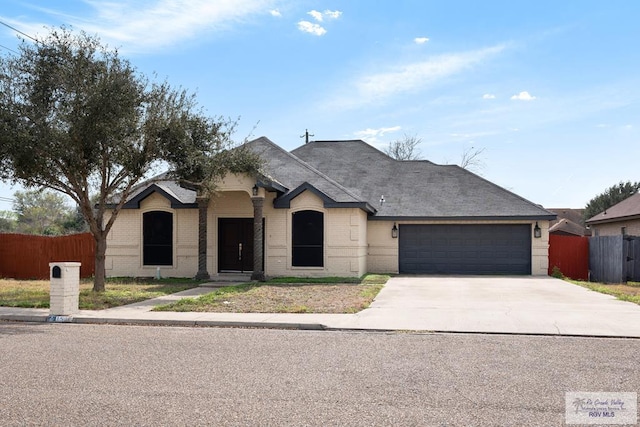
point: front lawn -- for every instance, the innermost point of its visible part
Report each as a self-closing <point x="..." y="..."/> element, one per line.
<point x="288" y="295"/>
<point x="629" y="292"/>
<point x="119" y="291"/>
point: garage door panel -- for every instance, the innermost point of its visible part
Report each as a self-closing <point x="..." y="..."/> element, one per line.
<point x="465" y="249"/>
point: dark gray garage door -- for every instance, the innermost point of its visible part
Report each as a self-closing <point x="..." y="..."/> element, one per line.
<point x="465" y="249"/>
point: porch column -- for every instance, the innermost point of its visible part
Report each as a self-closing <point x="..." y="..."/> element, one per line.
<point x="203" y="205"/>
<point x="258" y="268"/>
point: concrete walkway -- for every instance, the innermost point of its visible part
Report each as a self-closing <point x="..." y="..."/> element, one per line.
<point x="512" y="305"/>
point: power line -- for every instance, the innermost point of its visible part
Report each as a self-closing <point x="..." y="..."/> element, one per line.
<point x="4" y="47"/>
<point x="18" y="31"/>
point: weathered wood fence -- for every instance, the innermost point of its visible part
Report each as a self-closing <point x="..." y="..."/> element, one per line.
<point x="570" y="254"/>
<point x="27" y="257"/>
<point x="614" y="259"/>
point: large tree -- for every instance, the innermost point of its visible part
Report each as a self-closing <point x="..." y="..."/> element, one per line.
<point x="611" y="196"/>
<point x="42" y="212"/>
<point x="78" y="119"/>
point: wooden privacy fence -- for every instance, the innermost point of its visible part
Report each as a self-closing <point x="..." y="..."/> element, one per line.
<point x="571" y="255"/>
<point x="614" y="259"/>
<point x="24" y="256"/>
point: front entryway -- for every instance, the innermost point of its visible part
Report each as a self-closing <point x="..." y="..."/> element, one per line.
<point x="235" y="244"/>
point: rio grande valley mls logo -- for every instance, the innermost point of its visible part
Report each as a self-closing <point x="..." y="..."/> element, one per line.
<point x="601" y="408"/>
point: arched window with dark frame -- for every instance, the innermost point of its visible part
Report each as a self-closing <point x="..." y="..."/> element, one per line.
<point x="157" y="230"/>
<point x="308" y="239"/>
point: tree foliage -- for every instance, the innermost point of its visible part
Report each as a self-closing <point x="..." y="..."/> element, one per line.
<point x="405" y="148"/>
<point x="8" y="222"/>
<point x="44" y="213"/>
<point x="78" y="119"/>
<point x="611" y="196"/>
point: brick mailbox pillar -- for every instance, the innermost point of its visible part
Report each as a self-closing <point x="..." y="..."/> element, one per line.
<point x="65" y="288"/>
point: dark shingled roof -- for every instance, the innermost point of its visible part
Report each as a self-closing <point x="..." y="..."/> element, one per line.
<point x="355" y="174"/>
<point x="629" y="208"/>
<point x="415" y="189"/>
<point x="294" y="174"/>
<point x="179" y="197"/>
<point x="569" y="221"/>
<point x="565" y="226"/>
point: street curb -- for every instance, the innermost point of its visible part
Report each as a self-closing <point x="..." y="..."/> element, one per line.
<point x="38" y="318"/>
<point x="33" y="318"/>
<point x="165" y="322"/>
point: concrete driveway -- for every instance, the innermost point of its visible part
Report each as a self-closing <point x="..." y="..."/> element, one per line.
<point x="522" y="305"/>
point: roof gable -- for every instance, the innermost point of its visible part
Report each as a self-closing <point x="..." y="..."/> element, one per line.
<point x="328" y="202"/>
<point x="292" y="172"/>
<point x="163" y="188"/>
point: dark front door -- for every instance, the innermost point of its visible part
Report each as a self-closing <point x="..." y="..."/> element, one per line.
<point x="235" y="244"/>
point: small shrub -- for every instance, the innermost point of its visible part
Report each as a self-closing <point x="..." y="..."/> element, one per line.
<point x="557" y="273"/>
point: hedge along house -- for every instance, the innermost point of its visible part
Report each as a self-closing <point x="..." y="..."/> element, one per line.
<point x="333" y="208"/>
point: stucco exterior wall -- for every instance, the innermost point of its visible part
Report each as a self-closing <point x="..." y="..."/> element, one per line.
<point x="124" y="242"/>
<point x="383" y="250"/>
<point x="615" y="228"/>
<point x="344" y="240"/>
<point x="353" y="245"/>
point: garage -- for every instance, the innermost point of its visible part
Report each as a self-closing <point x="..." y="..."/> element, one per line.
<point x="465" y="249"/>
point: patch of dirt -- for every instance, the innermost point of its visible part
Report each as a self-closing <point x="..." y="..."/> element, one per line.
<point x="626" y="289"/>
<point x="291" y="299"/>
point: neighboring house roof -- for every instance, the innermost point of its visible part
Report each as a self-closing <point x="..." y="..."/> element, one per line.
<point x="569" y="221"/>
<point x="573" y="215"/>
<point x="415" y="189"/>
<point x="627" y="209"/>
<point x="564" y="226"/>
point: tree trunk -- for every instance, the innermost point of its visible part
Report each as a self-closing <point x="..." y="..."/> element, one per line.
<point x="101" y="251"/>
<point x="203" y="204"/>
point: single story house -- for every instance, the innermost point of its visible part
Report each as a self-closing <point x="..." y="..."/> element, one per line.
<point x="620" y="219"/>
<point x="333" y="208"/>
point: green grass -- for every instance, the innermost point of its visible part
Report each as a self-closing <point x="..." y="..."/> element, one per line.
<point x="119" y="291"/>
<point x="625" y="292"/>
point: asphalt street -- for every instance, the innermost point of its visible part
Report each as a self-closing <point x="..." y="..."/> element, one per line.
<point x="68" y="374"/>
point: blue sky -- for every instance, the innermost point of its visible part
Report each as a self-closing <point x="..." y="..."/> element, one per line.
<point x="549" y="90"/>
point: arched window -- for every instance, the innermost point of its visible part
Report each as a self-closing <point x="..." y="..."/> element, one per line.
<point x="157" y="230"/>
<point x="308" y="239"/>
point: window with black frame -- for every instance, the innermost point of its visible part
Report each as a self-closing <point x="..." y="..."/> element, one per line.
<point x="157" y="230"/>
<point x="308" y="239"/>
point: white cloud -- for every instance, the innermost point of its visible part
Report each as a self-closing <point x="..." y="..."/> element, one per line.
<point x="488" y="96"/>
<point x="155" y="24"/>
<point x="372" y="135"/>
<point x="316" y="15"/>
<point x="319" y="16"/>
<point x="275" y="12"/>
<point x="311" y="28"/>
<point x="523" y="96"/>
<point x="421" y="40"/>
<point x="332" y="14"/>
<point x="411" y="77"/>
